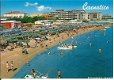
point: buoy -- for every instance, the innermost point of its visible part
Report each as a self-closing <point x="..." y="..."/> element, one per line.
<point x="100" y="50"/>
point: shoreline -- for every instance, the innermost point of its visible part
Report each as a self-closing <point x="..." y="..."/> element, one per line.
<point x="20" y="59"/>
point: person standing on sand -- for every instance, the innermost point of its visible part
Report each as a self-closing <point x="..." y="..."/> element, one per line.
<point x="23" y="51"/>
<point x="7" y="66"/>
<point x="26" y="51"/>
<point x="46" y="45"/>
<point x="12" y="66"/>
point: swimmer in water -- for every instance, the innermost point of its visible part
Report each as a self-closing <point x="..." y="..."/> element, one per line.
<point x="100" y="50"/>
<point x="108" y="41"/>
<point x="90" y="44"/>
<point x="34" y="73"/>
<point x="59" y="73"/>
<point x="48" y="53"/>
<point x="72" y="37"/>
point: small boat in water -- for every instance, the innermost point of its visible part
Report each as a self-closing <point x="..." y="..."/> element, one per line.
<point x="67" y="48"/>
<point x="107" y="27"/>
<point x="31" y="77"/>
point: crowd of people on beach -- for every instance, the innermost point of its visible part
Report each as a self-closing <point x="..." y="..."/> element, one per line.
<point x="15" y="44"/>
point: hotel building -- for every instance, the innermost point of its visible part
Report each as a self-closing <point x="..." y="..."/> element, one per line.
<point x="107" y="17"/>
<point x="14" y="14"/>
<point x="34" y="15"/>
<point x="67" y="15"/>
<point x="93" y="16"/>
<point x="86" y="16"/>
<point x="39" y="15"/>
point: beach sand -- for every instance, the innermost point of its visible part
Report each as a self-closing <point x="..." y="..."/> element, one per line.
<point x="20" y="59"/>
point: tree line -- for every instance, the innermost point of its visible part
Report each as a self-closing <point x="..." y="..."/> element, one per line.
<point x="27" y="19"/>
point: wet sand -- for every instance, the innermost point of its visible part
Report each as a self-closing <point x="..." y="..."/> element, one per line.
<point x="20" y="59"/>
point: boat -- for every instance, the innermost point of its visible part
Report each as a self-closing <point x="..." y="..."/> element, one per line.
<point x="107" y="27"/>
<point x="31" y="77"/>
<point x="67" y="48"/>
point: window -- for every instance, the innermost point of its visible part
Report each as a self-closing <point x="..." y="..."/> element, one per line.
<point x="94" y="15"/>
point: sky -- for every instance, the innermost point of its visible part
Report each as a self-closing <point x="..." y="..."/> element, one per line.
<point x="45" y="6"/>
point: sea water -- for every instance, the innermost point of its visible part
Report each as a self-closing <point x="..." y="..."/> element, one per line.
<point x="85" y="61"/>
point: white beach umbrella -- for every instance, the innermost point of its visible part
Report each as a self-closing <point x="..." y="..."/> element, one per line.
<point x="24" y="43"/>
<point x="38" y="38"/>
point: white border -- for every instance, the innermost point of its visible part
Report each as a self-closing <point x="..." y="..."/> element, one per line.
<point x="79" y="78"/>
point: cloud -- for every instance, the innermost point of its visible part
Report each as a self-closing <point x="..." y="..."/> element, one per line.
<point x="31" y="4"/>
<point x="39" y="7"/>
<point x="42" y="7"/>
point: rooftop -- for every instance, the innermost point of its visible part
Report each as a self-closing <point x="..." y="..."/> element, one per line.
<point x="93" y="12"/>
<point x="15" y="12"/>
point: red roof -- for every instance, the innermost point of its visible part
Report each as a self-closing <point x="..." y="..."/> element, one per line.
<point x="15" y="13"/>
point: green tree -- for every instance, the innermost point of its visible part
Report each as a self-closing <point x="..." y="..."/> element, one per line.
<point x="27" y="19"/>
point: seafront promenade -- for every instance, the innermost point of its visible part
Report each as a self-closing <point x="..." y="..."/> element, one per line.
<point x="20" y="59"/>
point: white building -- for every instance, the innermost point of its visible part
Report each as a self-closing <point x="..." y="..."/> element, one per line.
<point x="67" y="15"/>
<point x="95" y="16"/>
<point x="39" y="22"/>
<point x="75" y="21"/>
<point x="44" y="22"/>
<point x="15" y="14"/>
<point x="58" y="22"/>
<point x="86" y="16"/>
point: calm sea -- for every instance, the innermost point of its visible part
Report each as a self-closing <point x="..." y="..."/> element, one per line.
<point x="81" y="62"/>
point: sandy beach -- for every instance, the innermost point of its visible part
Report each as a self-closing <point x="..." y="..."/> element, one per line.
<point x="20" y="59"/>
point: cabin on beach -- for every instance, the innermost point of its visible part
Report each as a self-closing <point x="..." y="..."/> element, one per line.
<point x="10" y="24"/>
<point x="44" y="22"/>
<point x="75" y="21"/>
